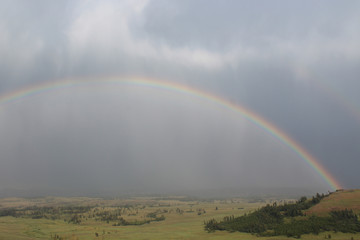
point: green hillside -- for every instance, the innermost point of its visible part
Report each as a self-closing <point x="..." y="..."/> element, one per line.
<point x="321" y="213"/>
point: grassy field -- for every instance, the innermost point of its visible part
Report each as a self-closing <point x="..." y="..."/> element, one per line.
<point x="184" y="219"/>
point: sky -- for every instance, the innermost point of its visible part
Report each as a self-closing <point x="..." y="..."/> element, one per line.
<point x="295" y="64"/>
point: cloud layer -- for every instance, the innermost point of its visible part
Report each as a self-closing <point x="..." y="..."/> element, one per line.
<point x="294" y="63"/>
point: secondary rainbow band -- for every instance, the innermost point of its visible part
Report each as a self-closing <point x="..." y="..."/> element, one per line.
<point x="176" y="87"/>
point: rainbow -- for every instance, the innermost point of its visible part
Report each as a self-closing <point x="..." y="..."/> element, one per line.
<point x="183" y="89"/>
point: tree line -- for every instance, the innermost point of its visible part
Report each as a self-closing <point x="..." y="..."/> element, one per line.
<point x="289" y="220"/>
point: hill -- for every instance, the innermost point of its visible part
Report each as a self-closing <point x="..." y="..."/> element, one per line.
<point x="295" y="219"/>
<point x="339" y="200"/>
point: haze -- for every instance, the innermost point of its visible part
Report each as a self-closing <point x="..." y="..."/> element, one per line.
<point x="295" y="63"/>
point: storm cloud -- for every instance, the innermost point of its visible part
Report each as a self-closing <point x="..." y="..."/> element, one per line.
<point x="295" y="63"/>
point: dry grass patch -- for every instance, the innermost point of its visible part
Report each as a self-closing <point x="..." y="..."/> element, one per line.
<point x="346" y="199"/>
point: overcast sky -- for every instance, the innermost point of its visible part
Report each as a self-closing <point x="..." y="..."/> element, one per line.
<point x="295" y="63"/>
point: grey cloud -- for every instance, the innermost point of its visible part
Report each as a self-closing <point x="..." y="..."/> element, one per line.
<point x="278" y="58"/>
<point x="81" y="138"/>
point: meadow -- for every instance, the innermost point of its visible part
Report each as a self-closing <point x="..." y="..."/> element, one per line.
<point x="170" y="217"/>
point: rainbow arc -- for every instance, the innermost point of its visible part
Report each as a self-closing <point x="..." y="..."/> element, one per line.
<point x="184" y="89"/>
